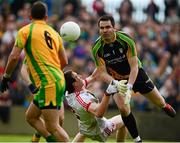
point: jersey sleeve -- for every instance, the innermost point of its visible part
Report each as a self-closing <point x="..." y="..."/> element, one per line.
<point x="131" y="50"/>
<point x="21" y="39"/>
<point x="85" y="100"/>
<point x="99" y="61"/>
<point x="129" y="42"/>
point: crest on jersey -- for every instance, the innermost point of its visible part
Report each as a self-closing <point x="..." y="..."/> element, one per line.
<point x="121" y="50"/>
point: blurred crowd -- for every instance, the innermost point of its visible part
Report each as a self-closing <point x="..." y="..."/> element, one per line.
<point x="158" y="45"/>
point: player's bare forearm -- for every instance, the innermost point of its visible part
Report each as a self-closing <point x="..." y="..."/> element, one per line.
<point x="98" y="109"/>
<point x="63" y="58"/>
<point x="11" y="64"/>
<point x="134" y="70"/>
<point x="12" y="60"/>
<point x="100" y="74"/>
<point x="103" y="105"/>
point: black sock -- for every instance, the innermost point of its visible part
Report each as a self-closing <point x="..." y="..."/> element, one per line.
<point x="130" y="123"/>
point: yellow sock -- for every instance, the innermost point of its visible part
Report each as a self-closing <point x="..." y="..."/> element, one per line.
<point x="36" y="137"/>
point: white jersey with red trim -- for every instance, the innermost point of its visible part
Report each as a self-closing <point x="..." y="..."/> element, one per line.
<point x="89" y="125"/>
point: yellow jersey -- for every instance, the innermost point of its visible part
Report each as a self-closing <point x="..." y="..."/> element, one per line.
<point x="41" y="44"/>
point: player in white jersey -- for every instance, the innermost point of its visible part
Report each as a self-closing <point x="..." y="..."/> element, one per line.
<point x="89" y="111"/>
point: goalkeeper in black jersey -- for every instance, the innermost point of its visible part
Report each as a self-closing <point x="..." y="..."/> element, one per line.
<point x="115" y="52"/>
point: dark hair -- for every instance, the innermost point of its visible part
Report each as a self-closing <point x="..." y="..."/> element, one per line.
<point x="69" y="81"/>
<point x="38" y="10"/>
<point x="106" y="18"/>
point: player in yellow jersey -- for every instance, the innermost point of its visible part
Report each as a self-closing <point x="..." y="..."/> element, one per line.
<point x="26" y="77"/>
<point x="46" y="57"/>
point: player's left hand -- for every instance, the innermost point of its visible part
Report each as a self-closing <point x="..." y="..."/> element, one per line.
<point x="5" y="83"/>
<point x="125" y="90"/>
<point x="122" y="86"/>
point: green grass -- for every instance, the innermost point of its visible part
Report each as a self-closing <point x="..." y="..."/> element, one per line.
<point x="27" y="138"/>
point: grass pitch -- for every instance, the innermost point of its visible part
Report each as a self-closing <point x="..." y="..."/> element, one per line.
<point x="27" y="138"/>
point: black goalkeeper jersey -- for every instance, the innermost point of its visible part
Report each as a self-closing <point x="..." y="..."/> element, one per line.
<point x="115" y="55"/>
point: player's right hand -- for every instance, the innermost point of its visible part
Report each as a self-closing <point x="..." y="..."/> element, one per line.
<point x="122" y="87"/>
<point x="112" y="88"/>
<point x="5" y="83"/>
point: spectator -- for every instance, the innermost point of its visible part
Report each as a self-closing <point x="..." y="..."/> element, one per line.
<point x="170" y="4"/>
<point x="151" y="10"/>
<point x="98" y="7"/>
<point x="23" y="15"/>
<point x="125" y="13"/>
<point x="157" y="43"/>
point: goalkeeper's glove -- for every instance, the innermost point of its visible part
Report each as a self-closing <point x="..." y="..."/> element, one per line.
<point x="122" y="87"/>
<point x="127" y="93"/>
<point x="125" y="90"/>
<point x="33" y="88"/>
<point x="5" y="82"/>
<point x="112" y="88"/>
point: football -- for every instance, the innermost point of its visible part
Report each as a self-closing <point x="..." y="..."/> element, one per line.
<point x="70" y="31"/>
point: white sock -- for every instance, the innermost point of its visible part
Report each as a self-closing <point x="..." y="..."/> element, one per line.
<point x="137" y="139"/>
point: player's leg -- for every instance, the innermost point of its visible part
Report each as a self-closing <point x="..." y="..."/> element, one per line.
<point x="51" y="97"/>
<point x="51" y="118"/>
<point x="127" y="117"/>
<point x="155" y="97"/>
<point x="33" y="118"/>
<point x="61" y="115"/>
<point x="120" y="128"/>
<point x="146" y="87"/>
<point x="36" y="136"/>
<point x="121" y="134"/>
<point x="79" y="138"/>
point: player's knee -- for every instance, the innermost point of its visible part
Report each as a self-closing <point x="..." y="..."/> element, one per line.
<point x="61" y="120"/>
<point x="52" y="127"/>
<point x="125" y="111"/>
<point x="29" y="118"/>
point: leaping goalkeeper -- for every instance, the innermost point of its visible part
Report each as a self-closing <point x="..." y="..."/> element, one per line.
<point x="115" y="52"/>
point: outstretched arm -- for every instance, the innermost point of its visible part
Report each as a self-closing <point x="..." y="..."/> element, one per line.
<point x="62" y="55"/>
<point x="100" y="74"/>
<point x="98" y="109"/>
<point x="133" y="62"/>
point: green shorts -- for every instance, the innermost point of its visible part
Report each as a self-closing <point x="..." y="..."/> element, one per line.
<point x="50" y="96"/>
